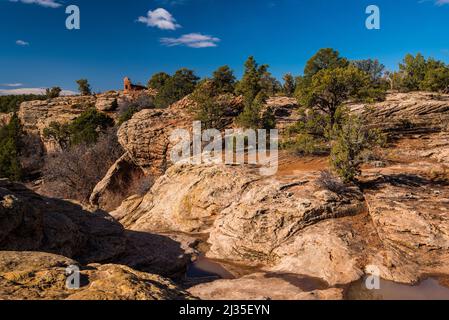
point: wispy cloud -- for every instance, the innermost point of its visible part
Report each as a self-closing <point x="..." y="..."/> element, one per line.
<point x="441" y="2"/>
<point x="11" y="85"/>
<point x="22" y="43"/>
<point x="42" y="3"/>
<point x="436" y="2"/>
<point x="6" y="92"/>
<point x="192" y="40"/>
<point x="160" y="18"/>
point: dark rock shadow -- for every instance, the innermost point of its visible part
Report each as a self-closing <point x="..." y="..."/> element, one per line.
<point x="154" y="253"/>
<point x="305" y="283"/>
<point x="32" y="222"/>
<point x="401" y="180"/>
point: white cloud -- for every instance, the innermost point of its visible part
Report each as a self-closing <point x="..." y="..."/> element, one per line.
<point x="6" y="92"/>
<point x="22" y="43"/>
<point x="43" y="3"/>
<point x="192" y="40"/>
<point x="441" y="2"/>
<point x="11" y="85"/>
<point x="160" y="18"/>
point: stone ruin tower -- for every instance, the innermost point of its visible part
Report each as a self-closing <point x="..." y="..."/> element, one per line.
<point x="129" y="87"/>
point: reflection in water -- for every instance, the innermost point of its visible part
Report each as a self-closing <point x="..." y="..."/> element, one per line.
<point x="206" y="268"/>
<point x="429" y="289"/>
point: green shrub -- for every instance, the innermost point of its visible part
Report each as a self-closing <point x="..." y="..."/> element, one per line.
<point x="158" y="81"/>
<point x="84" y="87"/>
<point x="223" y="80"/>
<point x="255" y="86"/>
<point x="11" y="103"/>
<point x="310" y="135"/>
<point x="9" y="150"/>
<point x="255" y="115"/>
<point x="326" y="58"/>
<point x="181" y="84"/>
<point x="328" y="89"/>
<point x="306" y="144"/>
<point x="289" y="86"/>
<point x="207" y="109"/>
<point x="372" y="67"/>
<point x="418" y="73"/>
<point x="351" y="140"/>
<point x="83" y="130"/>
<point x="53" y="92"/>
<point x="436" y="80"/>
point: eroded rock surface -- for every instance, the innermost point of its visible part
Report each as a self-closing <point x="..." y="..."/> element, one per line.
<point x="34" y="223"/>
<point x="121" y="180"/>
<point x="38" y="115"/>
<point x="30" y="222"/>
<point x="146" y="137"/>
<point x="260" y="286"/>
<point x="186" y="199"/>
<point x="410" y="213"/>
<point x="252" y="219"/>
<point x="409" y="112"/>
<point x="270" y="212"/>
<point x="42" y="276"/>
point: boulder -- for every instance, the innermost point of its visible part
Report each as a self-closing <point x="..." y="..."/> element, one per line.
<point x="146" y="138"/>
<point x="106" y="104"/>
<point x="42" y="276"/>
<point x="121" y="181"/>
<point x="271" y="212"/>
<point x="186" y="199"/>
<point x="267" y="286"/>
<point x="29" y="222"/>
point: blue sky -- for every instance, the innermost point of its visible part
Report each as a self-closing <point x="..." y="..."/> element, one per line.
<point x="120" y="38"/>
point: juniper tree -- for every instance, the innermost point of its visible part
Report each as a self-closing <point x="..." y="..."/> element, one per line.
<point x="84" y="87"/>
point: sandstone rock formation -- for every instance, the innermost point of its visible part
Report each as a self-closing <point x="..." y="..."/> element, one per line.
<point x="410" y="213"/>
<point x="288" y="225"/>
<point x="409" y="112"/>
<point x="38" y="115"/>
<point x="251" y="219"/>
<point x="186" y="199"/>
<point x="269" y="286"/>
<point x="5" y="118"/>
<point x="303" y="241"/>
<point x="117" y="184"/>
<point x="270" y="212"/>
<point x="146" y="137"/>
<point x="106" y="104"/>
<point x="285" y="110"/>
<point x="33" y="223"/>
<point x="42" y="276"/>
<point x="30" y="222"/>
